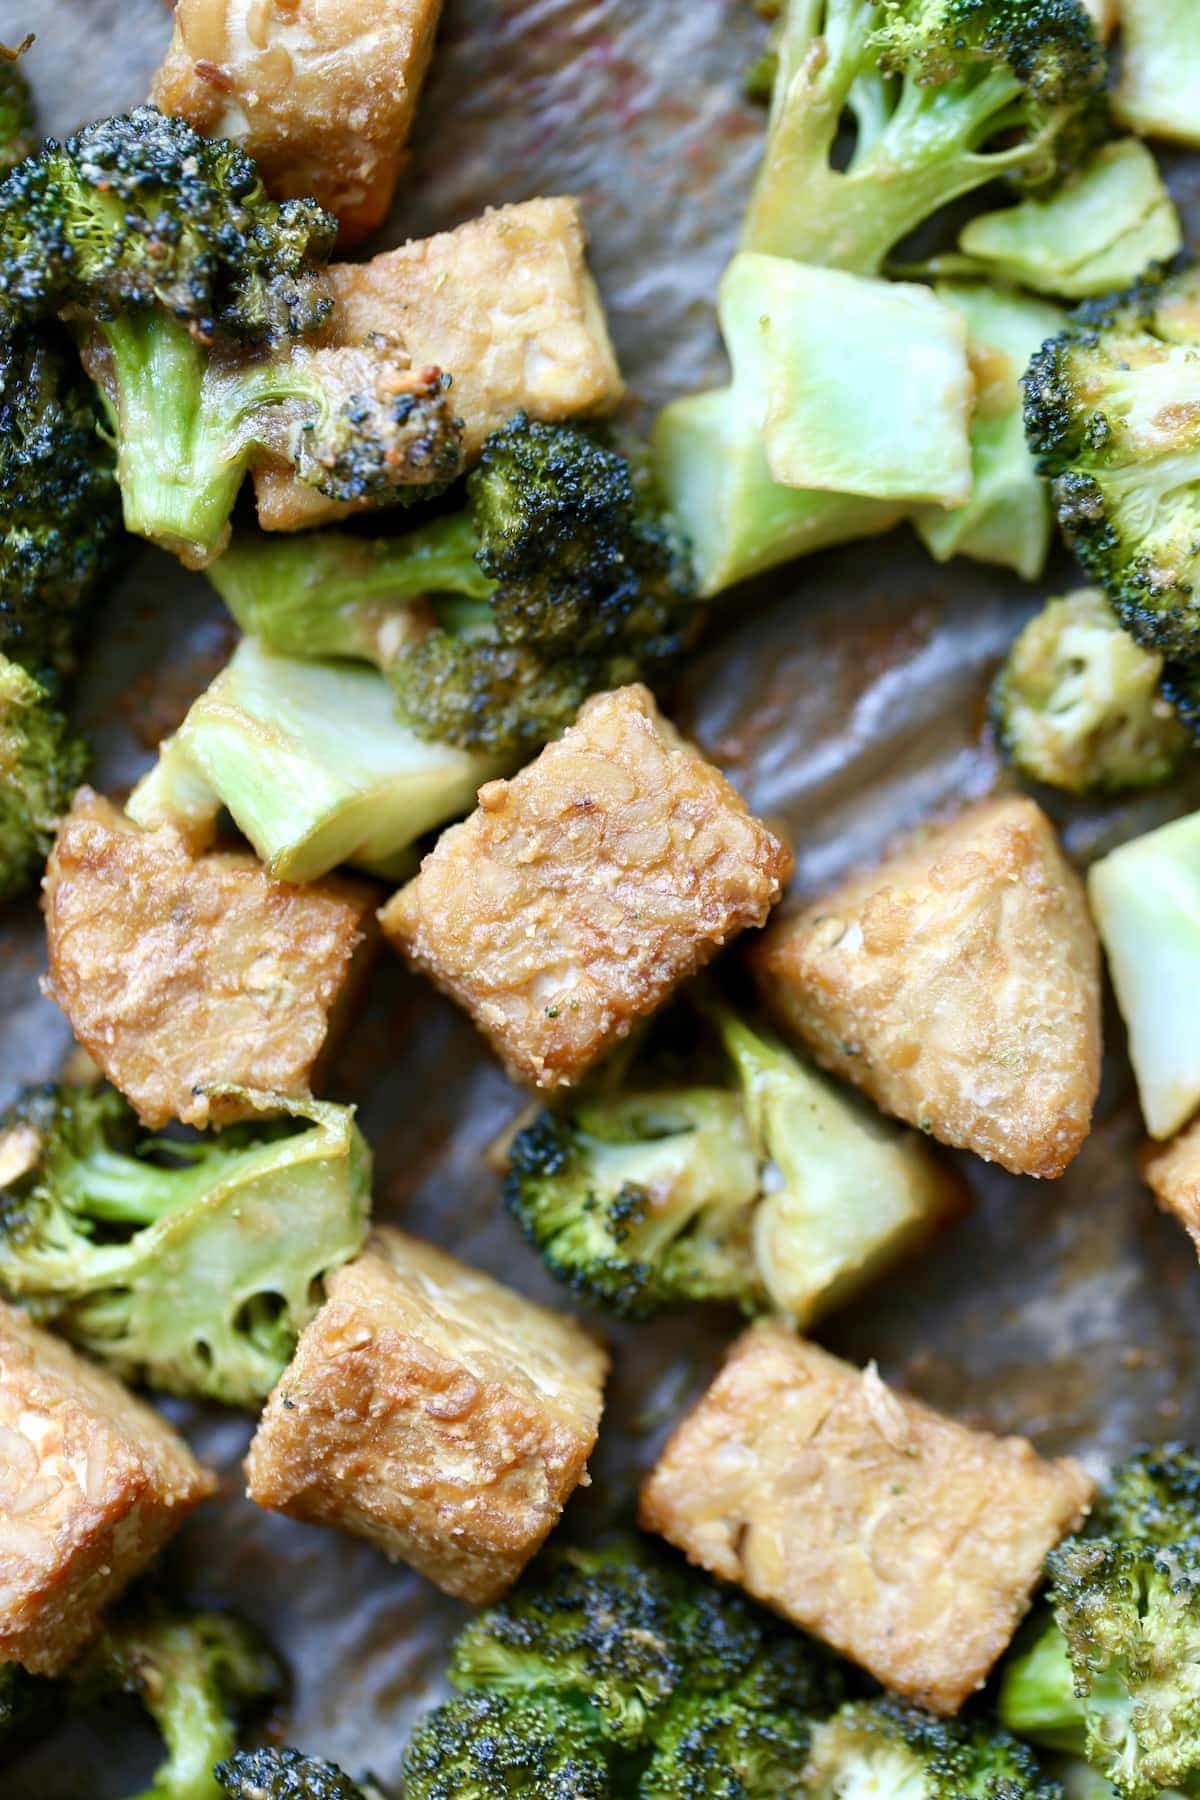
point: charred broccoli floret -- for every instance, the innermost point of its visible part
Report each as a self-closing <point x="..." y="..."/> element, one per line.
<point x="18" y="121"/>
<point x="42" y="762"/>
<point x="198" y="1674"/>
<point x="559" y="577"/>
<point x="191" y="1265"/>
<point x="893" y="1751"/>
<point x="944" y="96"/>
<point x="272" y="1774"/>
<point x="776" y="1190"/>
<point x="1112" y="414"/>
<point x="187" y="288"/>
<point x="1078" y="705"/>
<point x="482" y="1745"/>
<point x="1113" y="1670"/>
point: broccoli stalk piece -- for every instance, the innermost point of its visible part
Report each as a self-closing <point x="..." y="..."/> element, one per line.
<point x="272" y="1774"/>
<point x="1114" y="1671"/>
<point x="18" y="121"/>
<point x="186" y="288"/>
<point x="1077" y="703"/>
<point x="560" y="576"/>
<point x="888" y="1750"/>
<point x="197" y="1675"/>
<point x="777" y="1191"/>
<point x="1145" y="898"/>
<point x="42" y="762"/>
<point x="944" y="96"/>
<point x="190" y="1265"/>
<point x="1112" y="410"/>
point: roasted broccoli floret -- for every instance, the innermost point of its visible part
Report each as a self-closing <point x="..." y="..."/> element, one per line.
<point x="60" y="510"/>
<point x="559" y="577"/>
<point x="272" y="1774"/>
<point x="1112" y="409"/>
<point x="776" y="1190"/>
<point x="1078" y="705"/>
<point x="889" y="1750"/>
<point x="723" y="1749"/>
<point x="943" y="95"/>
<point x="42" y="761"/>
<point x="193" y="1264"/>
<point x="18" y="120"/>
<point x="188" y="291"/>
<point x="198" y="1674"/>
<point x="482" y="1745"/>
<point x="1112" y="1672"/>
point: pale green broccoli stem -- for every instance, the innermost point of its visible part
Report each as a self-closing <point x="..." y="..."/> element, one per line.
<point x="1038" y="1698"/>
<point x="119" y="1189"/>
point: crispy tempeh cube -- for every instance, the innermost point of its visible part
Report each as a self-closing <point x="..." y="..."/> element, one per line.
<point x="582" y="892"/>
<point x="321" y="93"/>
<point x="1172" y="1173"/>
<point x="505" y="304"/>
<point x="905" y="1540"/>
<point x="429" y="1409"/>
<point x="958" y="984"/>
<point x="93" y="1482"/>
<point x="180" y="973"/>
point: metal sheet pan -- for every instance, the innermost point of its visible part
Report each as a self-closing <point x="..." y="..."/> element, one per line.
<point x="845" y="696"/>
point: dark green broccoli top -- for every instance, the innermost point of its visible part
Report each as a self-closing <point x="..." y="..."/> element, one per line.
<point x="286" y="1775"/>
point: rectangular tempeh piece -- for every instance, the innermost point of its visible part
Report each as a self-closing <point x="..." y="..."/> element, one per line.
<point x="93" y="1482"/>
<point x="181" y="973"/>
<point x="321" y="93"/>
<point x="505" y="304"/>
<point x="440" y="1415"/>
<point x="582" y="892"/>
<point x="905" y="1540"/>
<point x="1172" y="1172"/>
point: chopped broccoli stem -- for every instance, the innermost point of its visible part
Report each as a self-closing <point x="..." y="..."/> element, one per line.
<point x="42" y="762"/>
<point x="1077" y="703"/>
<point x="890" y="1750"/>
<point x="1159" y="89"/>
<point x="1038" y="1698"/>
<point x="191" y="1266"/>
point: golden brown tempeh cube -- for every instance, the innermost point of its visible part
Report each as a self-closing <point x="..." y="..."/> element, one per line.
<point x="180" y="973"/>
<point x="1172" y="1172"/>
<point x="434" y="1412"/>
<point x="958" y="984"/>
<point x="908" y="1542"/>
<point x="93" y="1482"/>
<point x="505" y="304"/>
<point x="584" y="890"/>
<point x="321" y="93"/>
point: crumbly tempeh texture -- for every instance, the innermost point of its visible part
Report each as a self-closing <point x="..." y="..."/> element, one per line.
<point x="958" y="984"/>
<point x="582" y="892"/>
<point x="434" y="1412"/>
<point x="321" y="94"/>
<point x="179" y="973"/>
<point x="1172" y="1172"/>
<point x="93" y="1482"/>
<point x="909" y="1543"/>
<point x="505" y="304"/>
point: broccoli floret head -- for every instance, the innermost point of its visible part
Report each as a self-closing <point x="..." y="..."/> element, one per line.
<point x="1111" y="415"/>
<point x="198" y="1674"/>
<point x="889" y="1748"/>
<point x="191" y="1265"/>
<point x="60" y="510"/>
<point x="42" y="762"/>
<point x="18" y="123"/>
<point x="1078" y="704"/>
<point x="482" y="1745"/>
<point x="945" y="95"/>
<point x="724" y="1749"/>
<point x="272" y="1774"/>
<point x="1112" y="1671"/>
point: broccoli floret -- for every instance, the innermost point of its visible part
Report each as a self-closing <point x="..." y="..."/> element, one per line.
<point x="272" y="1774"/>
<point x="187" y="288"/>
<point x="944" y="96"/>
<point x="726" y="1750"/>
<point x="888" y="1750"/>
<point x="18" y="121"/>
<point x="198" y="1674"/>
<point x="1114" y="1671"/>
<point x="776" y="1191"/>
<point x="42" y="762"/>
<point x="191" y="1265"/>
<point x="59" y="505"/>
<point x="483" y="1745"/>
<point x="1111" y="409"/>
<point x="1077" y="703"/>
<point x="560" y="576"/>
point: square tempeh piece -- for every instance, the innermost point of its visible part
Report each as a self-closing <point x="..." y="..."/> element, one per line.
<point x="504" y="304"/>
<point x="434" y="1412"/>
<point x="321" y="95"/>
<point x="93" y="1482"/>
<point x="182" y="973"/>
<point x="906" y="1541"/>
<point x="1172" y="1173"/>
<point x="587" y="888"/>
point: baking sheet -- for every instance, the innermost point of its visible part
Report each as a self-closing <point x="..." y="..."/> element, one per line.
<point x="845" y="696"/>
